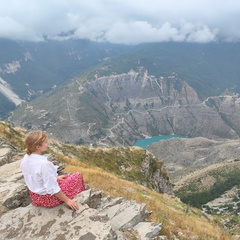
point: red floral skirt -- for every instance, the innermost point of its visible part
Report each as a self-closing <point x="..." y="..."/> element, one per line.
<point x="70" y="186"/>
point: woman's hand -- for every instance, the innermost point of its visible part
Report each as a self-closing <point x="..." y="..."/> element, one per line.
<point x="62" y="177"/>
<point x="72" y="204"/>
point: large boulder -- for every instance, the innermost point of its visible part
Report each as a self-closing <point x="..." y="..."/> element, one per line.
<point x="7" y="152"/>
<point x="13" y="191"/>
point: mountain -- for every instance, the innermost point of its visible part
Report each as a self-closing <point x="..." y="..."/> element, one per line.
<point x="185" y="155"/>
<point x="205" y="174"/>
<point x="148" y="90"/>
<point x="113" y="208"/>
<point x="28" y="69"/>
<point x="120" y="109"/>
<point x="210" y="69"/>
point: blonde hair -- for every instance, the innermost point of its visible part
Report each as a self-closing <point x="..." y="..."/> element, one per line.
<point x="34" y="139"/>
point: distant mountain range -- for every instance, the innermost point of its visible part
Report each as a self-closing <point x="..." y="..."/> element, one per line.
<point x="94" y="93"/>
<point x="29" y="69"/>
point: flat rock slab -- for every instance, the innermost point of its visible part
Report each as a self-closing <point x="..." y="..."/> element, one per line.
<point x="58" y="223"/>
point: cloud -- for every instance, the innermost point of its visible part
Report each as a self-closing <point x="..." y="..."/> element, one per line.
<point x="128" y="22"/>
<point x="15" y="30"/>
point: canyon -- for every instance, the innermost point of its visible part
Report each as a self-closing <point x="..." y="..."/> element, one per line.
<point x="123" y="108"/>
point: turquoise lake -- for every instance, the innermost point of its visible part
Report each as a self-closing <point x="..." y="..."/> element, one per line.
<point x="143" y="143"/>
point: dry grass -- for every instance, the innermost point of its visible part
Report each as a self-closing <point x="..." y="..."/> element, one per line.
<point x="13" y="135"/>
<point x="178" y="219"/>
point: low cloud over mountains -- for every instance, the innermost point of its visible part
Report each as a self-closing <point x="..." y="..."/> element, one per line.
<point x="127" y="22"/>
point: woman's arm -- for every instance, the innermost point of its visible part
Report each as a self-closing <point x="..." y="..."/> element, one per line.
<point x="49" y="177"/>
<point x="71" y="203"/>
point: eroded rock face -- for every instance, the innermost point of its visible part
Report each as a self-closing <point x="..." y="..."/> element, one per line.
<point x="157" y="175"/>
<point x="129" y="106"/>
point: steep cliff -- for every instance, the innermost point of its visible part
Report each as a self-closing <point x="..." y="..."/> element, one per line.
<point x="120" y="109"/>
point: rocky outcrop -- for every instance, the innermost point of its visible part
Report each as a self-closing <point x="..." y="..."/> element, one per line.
<point x="157" y="175"/>
<point x="97" y="217"/>
<point x="7" y="152"/>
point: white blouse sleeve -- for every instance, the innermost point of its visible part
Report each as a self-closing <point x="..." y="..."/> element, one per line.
<point x="49" y="177"/>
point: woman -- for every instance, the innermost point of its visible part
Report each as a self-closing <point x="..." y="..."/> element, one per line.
<point x="46" y="188"/>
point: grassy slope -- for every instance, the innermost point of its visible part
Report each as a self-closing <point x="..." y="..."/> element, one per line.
<point x="209" y="183"/>
<point x="178" y="219"/>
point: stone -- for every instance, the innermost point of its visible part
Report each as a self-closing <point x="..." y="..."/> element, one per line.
<point x="126" y="215"/>
<point x="147" y="230"/>
<point x="41" y="223"/>
<point x="13" y="192"/>
<point x="7" y="151"/>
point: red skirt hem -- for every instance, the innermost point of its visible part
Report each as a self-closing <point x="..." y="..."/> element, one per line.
<point x="70" y="186"/>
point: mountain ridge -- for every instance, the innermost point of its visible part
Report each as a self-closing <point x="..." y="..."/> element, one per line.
<point x="41" y="66"/>
<point x="31" y="69"/>
<point x="198" y="152"/>
<point x="205" y="174"/>
<point x="123" y="108"/>
<point x="131" y="92"/>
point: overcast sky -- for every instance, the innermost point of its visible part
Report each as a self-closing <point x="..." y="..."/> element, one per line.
<point x="121" y="21"/>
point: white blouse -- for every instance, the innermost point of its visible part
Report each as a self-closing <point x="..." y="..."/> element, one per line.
<point x="40" y="174"/>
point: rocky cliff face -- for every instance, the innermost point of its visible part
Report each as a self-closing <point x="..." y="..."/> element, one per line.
<point x="97" y="218"/>
<point x="120" y="109"/>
